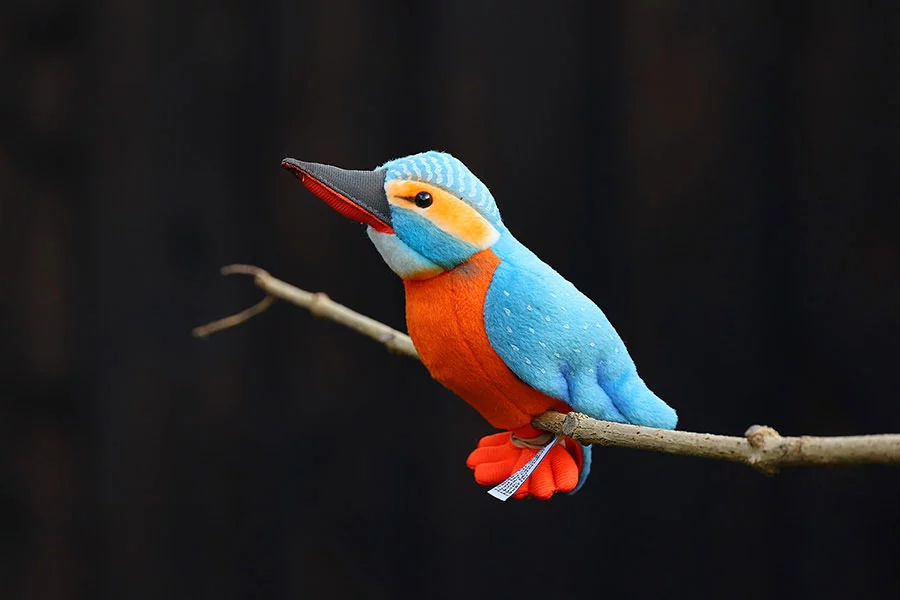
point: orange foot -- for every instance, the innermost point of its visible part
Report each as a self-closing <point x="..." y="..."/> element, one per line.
<point x="497" y="457"/>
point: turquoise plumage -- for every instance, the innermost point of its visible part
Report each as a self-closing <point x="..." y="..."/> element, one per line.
<point x="547" y="332"/>
<point x="490" y="319"/>
<point x="557" y="340"/>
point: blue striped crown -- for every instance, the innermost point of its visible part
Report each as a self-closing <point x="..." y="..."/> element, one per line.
<point x="445" y="171"/>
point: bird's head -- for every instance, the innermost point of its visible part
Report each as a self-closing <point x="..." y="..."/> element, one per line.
<point x="427" y="213"/>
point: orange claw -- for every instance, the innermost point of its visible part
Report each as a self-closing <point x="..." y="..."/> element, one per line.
<point x="496" y="458"/>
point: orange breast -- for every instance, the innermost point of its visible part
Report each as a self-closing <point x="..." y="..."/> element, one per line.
<point x="445" y="317"/>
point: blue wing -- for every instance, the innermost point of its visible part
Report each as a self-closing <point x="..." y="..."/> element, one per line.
<point x="557" y="340"/>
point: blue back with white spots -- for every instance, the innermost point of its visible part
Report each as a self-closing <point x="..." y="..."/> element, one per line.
<point x="544" y="328"/>
<point x="557" y="340"/>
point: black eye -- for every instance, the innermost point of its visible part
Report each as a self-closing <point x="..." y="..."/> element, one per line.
<point x="423" y="199"/>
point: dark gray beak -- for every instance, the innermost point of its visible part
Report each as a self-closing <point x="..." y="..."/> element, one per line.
<point x="355" y="194"/>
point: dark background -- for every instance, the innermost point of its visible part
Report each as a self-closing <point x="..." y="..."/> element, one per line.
<point x="721" y="177"/>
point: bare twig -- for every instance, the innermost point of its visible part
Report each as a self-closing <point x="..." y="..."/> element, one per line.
<point x="236" y="319"/>
<point x="761" y="447"/>
<point x="318" y="304"/>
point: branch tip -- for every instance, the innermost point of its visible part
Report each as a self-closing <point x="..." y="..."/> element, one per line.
<point x="570" y="424"/>
<point x="243" y="270"/>
<point x="236" y="319"/>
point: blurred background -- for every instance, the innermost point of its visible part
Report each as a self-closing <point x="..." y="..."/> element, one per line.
<point x="721" y="177"/>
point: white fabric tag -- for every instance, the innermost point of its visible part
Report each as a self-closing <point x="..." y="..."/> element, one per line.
<point x="506" y="489"/>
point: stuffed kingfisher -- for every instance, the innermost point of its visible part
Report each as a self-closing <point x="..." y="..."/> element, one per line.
<point x="489" y="319"/>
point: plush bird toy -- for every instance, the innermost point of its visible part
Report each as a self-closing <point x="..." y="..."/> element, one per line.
<point x="489" y="319"/>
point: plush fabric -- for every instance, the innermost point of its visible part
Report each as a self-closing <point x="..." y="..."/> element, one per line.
<point x="444" y="318"/>
<point x="446" y="211"/>
<point x="445" y="171"/>
<point x="500" y="328"/>
<point x="585" y="467"/>
<point x="496" y="458"/>
<point x="427" y="239"/>
<point x="559" y="342"/>
<point x="403" y="260"/>
<point x="507" y="304"/>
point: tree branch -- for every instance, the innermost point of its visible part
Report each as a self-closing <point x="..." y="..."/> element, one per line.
<point x="761" y="447"/>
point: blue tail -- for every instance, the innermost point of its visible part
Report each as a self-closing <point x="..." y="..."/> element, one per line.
<point x="638" y="404"/>
<point x="585" y="467"/>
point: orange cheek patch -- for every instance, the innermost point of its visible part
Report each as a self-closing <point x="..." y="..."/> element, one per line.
<point x="447" y="212"/>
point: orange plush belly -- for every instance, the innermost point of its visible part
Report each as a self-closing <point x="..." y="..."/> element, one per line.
<point x="445" y="317"/>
